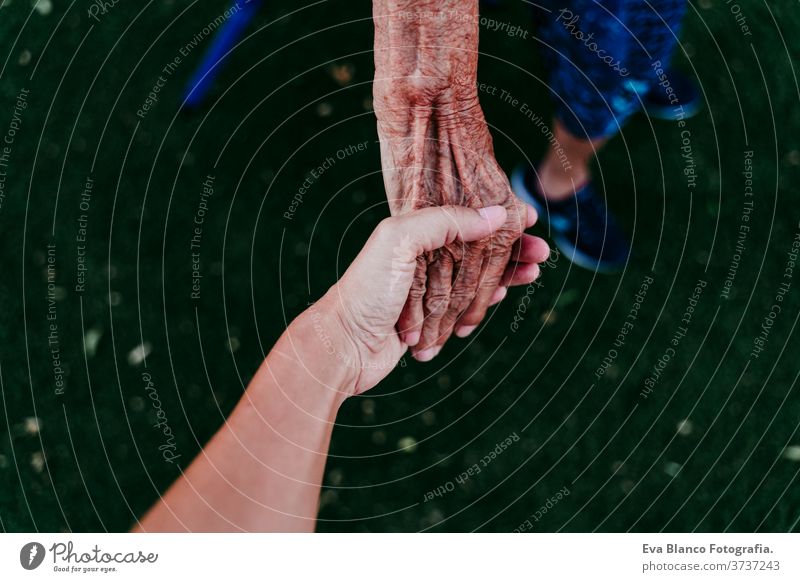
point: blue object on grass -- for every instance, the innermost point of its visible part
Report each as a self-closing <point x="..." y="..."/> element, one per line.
<point x="225" y="39"/>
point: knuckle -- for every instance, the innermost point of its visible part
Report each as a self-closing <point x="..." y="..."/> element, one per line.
<point x="503" y="239"/>
<point x="489" y="284"/>
<point x="457" y="250"/>
<point x="473" y="248"/>
<point x="490" y="280"/>
<point x="436" y="296"/>
<point x="436" y="303"/>
<point x="460" y="298"/>
<point x="468" y="271"/>
<point x="386" y="227"/>
<point x="459" y="307"/>
<point x="417" y="291"/>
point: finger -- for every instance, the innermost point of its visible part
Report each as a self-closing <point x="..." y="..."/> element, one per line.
<point x="411" y="318"/>
<point x="399" y="240"/>
<point x="464" y="289"/>
<point x="495" y="265"/>
<point x="531" y="216"/>
<point x="530" y="249"/>
<point x="520" y="216"/>
<point x="499" y="295"/>
<point x="520" y="274"/>
<point x="429" y="229"/>
<point x="437" y="298"/>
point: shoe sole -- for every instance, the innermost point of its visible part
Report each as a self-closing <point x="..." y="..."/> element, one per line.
<point x="580" y="259"/>
<point x="668" y="113"/>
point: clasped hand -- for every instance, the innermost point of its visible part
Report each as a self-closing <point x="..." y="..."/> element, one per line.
<point x="436" y="150"/>
<point x="359" y="315"/>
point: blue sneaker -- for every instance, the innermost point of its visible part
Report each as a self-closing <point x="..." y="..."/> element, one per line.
<point x="657" y="104"/>
<point x="581" y="226"/>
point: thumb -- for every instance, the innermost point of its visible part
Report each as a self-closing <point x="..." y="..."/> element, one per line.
<point x="431" y="228"/>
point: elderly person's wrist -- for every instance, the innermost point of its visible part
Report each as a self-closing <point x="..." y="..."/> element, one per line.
<point x="426" y="48"/>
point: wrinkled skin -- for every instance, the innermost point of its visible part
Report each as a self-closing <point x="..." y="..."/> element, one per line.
<point x="436" y="150"/>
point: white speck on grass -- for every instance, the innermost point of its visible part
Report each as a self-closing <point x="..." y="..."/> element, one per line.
<point x="25" y="57"/>
<point x="43" y="7"/>
<point x="138" y="354"/>
<point x="368" y="410"/>
<point x="327" y="497"/>
<point x="407" y="444"/>
<point x="342" y="74"/>
<point x="90" y="341"/>
<point x="32" y="425"/>
<point x="37" y="461"/>
<point x="548" y="317"/>
<point x="672" y="468"/>
<point x="324" y="109"/>
<point x="685" y="427"/>
<point x="792" y="453"/>
<point x="335" y="477"/>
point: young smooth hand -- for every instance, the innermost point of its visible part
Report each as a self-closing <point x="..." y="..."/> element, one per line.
<point x="357" y="318"/>
<point x="262" y="471"/>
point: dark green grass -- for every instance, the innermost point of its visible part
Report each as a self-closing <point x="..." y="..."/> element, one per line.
<point x="615" y="451"/>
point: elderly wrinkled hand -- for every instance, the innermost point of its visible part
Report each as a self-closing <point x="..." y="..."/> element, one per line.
<point x="436" y="150"/>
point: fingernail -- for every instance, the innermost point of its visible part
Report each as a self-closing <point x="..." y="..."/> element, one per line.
<point x="493" y="213"/>
<point x="412" y="338"/>
<point x="465" y="330"/>
<point x="532" y="216"/>
<point x="426" y="355"/>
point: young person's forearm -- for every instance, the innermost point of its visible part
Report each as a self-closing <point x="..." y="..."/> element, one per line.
<point x="263" y="470"/>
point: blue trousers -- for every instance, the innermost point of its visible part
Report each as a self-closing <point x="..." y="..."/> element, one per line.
<point x="602" y="56"/>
